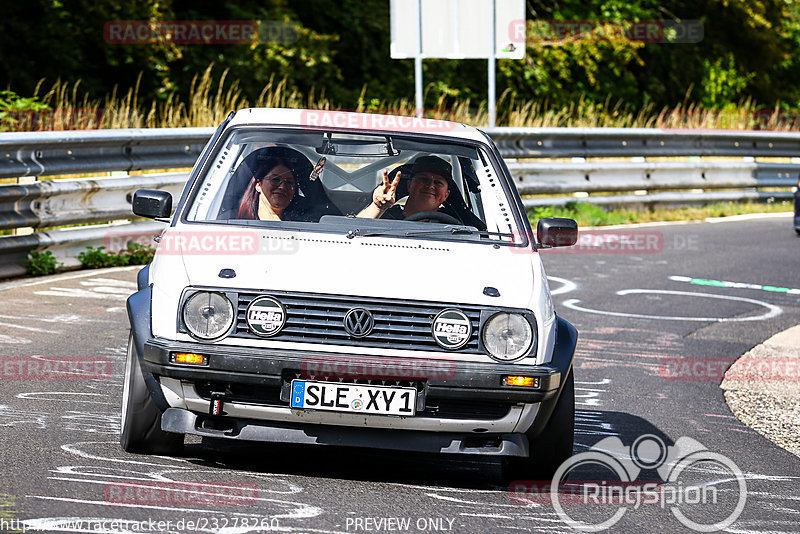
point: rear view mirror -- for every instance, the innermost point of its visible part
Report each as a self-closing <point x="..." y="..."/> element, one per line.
<point x="152" y="203"/>
<point x="557" y="232"/>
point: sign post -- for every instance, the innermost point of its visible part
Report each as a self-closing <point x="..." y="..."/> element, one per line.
<point x="457" y="29"/>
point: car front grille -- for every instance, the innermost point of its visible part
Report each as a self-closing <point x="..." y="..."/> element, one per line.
<point x="319" y="318"/>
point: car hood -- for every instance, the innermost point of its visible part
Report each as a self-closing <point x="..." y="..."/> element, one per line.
<point x="402" y="268"/>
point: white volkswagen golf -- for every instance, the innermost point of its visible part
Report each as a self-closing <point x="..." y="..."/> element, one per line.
<point x="355" y="280"/>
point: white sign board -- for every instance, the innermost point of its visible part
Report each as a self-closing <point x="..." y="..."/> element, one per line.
<point x="457" y="29"/>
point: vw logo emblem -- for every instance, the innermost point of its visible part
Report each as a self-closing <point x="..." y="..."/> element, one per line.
<point x="359" y="322"/>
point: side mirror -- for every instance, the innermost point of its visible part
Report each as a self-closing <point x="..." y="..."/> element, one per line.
<point x="152" y="203"/>
<point x="557" y="232"/>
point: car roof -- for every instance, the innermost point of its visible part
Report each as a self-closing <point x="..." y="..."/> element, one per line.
<point x="355" y="122"/>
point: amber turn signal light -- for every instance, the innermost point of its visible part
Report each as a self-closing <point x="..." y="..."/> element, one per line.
<point x="524" y="381"/>
<point x="190" y="358"/>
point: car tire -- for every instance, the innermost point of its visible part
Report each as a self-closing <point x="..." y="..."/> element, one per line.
<point x="141" y="419"/>
<point x="552" y="446"/>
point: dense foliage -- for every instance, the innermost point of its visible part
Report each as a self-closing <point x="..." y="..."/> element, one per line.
<point x="748" y="51"/>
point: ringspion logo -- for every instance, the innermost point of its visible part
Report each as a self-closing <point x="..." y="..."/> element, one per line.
<point x="704" y="491"/>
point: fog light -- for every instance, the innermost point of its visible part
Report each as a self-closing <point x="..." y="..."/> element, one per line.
<point x="524" y="381"/>
<point x="189" y="357"/>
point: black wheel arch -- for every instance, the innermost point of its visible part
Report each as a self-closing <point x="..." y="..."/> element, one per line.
<point x="139" y="306"/>
<point x="563" y="356"/>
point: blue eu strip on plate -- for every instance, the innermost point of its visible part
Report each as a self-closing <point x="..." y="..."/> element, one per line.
<point x="298" y="394"/>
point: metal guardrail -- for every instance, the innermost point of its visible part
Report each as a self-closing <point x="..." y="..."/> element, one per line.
<point x="743" y="177"/>
<point x="78" y="152"/>
<point x="60" y="202"/>
<point x="53" y="203"/>
<point x="647" y="142"/>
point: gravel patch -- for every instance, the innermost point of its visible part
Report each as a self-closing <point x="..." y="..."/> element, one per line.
<point x="762" y="389"/>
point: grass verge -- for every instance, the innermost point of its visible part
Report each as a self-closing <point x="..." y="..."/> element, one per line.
<point x="590" y="215"/>
<point x="212" y="95"/>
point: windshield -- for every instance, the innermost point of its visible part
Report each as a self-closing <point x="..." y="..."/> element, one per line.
<point x="356" y="184"/>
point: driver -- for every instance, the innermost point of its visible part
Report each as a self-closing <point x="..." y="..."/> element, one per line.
<point x="428" y="189"/>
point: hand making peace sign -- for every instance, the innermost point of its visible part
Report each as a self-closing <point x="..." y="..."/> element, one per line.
<point x="384" y="195"/>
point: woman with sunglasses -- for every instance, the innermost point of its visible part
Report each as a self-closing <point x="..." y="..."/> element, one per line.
<point x="270" y="192"/>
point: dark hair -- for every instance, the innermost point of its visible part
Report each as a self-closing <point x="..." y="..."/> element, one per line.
<point x="248" y="207"/>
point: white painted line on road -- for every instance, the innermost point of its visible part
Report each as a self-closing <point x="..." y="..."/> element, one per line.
<point x="51" y="319"/>
<point x="490" y="516"/>
<point x="58" y="278"/>
<point x="110" y="282"/>
<point x="13" y="340"/>
<point x="749" y="216"/>
<point x="73" y="449"/>
<point x="601" y="382"/>
<point x="30" y="328"/>
<point x="74" y="292"/>
<point x="773" y="310"/>
<point x="133" y="505"/>
<point x="37" y="395"/>
<point x="565" y="288"/>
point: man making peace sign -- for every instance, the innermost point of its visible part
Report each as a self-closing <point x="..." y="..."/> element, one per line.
<point x="428" y="189"/>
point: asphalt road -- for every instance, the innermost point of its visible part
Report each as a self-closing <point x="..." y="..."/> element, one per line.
<point x="640" y="314"/>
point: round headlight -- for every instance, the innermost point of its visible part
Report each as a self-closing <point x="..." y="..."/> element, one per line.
<point x="208" y="315"/>
<point x="507" y="336"/>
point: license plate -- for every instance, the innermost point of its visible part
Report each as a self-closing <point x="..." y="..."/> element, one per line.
<point x="353" y="398"/>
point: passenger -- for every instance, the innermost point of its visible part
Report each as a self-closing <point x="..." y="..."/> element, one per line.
<point x="270" y="192"/>
<point x="428" y="189"/>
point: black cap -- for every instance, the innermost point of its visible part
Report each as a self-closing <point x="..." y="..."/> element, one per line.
<point x="432" y="164"/>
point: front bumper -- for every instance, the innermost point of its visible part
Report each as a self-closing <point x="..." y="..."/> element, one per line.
<point x="254" y="385"/>
<point x="462" y="407"/>
<point x="441" y="378"/>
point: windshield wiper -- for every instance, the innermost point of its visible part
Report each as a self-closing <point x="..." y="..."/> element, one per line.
<point x="358" y="232"/>
<point x="451" y="230"/>
<point x="458" y="230"/>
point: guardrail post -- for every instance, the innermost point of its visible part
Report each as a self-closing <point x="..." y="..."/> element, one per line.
<point x="21" y="180"/>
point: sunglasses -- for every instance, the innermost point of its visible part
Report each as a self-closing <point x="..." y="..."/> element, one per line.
<point x="277" y="180"/>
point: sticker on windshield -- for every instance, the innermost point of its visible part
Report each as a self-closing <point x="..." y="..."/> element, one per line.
<point x="266" y="316"/>
<point x="452" y="329"/>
